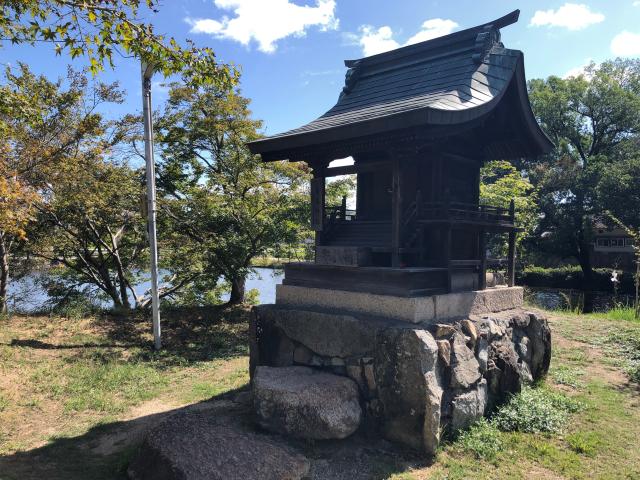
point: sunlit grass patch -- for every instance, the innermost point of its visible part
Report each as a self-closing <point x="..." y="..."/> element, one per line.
<point x="625" y="345"/>
<point x="586" y="443"/>
<point x="567" y="375"/>
<point x="93" y="385"/>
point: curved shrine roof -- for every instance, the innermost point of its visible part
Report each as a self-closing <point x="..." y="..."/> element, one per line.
<point x="451" y="80"/>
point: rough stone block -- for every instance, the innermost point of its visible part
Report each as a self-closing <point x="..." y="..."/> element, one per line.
<point x="465" y="370"/>
<point x="306" y="403"/>
<point x="198" y="446"/>
<point x="409" y="388"/>
<point x="469" y="407"/>
<point x="326" y="334"/>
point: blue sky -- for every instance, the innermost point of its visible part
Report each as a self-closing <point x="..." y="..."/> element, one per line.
<point x="291" y="52"/>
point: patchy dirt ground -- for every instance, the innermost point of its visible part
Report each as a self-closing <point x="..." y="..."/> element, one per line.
<point x="77" y="396"/>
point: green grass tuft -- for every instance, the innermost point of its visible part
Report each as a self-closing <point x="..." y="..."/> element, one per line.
<point x="569" y="376"/>
<point x="482" y="440"/>
<point x="585" y="443"/>
<point x="536" y="410"/>
<point x="625" y="344"/>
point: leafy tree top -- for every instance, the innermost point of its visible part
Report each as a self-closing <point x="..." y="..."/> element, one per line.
<point x="98" y="29"/>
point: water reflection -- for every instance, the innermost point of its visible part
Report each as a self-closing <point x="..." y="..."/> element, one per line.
<point x="27" y="295"/>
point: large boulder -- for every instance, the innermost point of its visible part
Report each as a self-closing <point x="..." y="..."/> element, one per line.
<point x="409" y="388"/>
<point x="540" y="340"/>
<point x="199" y="446"/>
<point x="306" y="403"/>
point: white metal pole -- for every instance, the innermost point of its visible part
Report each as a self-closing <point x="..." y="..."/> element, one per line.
<point x="147" y="71"/>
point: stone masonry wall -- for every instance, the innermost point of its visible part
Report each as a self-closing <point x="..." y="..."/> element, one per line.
<point x="414" y="381"/>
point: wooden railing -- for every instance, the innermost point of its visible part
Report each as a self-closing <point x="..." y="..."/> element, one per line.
<point x="457" y="211"/>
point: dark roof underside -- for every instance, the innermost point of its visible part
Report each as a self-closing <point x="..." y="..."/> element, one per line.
<point x="448" y="81"/>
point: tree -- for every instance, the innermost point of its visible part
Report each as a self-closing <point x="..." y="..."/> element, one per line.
<point x="500" y="182"/>
<point x="98" y="29"/>
<point x="42" y="124"/>
<point x="226" y="206"/>
<point x="90" y="223"/>
<point x="16" y="208"/>
<point x="592" y="118"/>
<point x="57" y="172"/>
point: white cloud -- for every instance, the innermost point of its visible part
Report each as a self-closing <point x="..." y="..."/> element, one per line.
<point x="573" y="16"/>
<point x="636" y="3"/>
<point x="626" y="44"/>
<point x="580" y="70"/>
<point x="435" y="27"/>
<point x="380" y="40"/>
<point x="375" y="41"/>
<point x="266" y="21"/>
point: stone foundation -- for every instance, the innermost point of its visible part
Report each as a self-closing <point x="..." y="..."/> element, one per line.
<point x="420" y="309"/>
<point x="416" y="379"/>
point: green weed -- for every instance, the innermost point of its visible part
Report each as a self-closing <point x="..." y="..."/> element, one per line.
<point x="586" y="443"/>
<point x="536" y="410"/>
<point x="482" y="440"/>
<point x="569" y="376"/>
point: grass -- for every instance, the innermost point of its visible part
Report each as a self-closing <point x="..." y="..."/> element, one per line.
<point x="67" y="383"/>
<point x="67" y="386"/>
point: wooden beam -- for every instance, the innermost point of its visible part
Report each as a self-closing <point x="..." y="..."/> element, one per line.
<point x="446" y="246"/>
<point x="511" y="266"/>
<point x="396" y="212"/>
<point x="318" y="204"/>
<point x="482" y="253"/>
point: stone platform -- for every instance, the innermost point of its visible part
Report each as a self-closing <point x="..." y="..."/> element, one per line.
<point x="422" y="366"/>
<point x="418" y="309"/>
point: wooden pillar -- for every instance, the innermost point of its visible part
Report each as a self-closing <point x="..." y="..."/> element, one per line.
<point x="446" y="238"/>
<point x="482" y="270"/>
<point x="511" y="266"/>
<point x="318" y="203"/>
<point x="396" y="212"/>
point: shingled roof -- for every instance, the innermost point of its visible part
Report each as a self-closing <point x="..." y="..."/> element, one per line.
<point x="451" y="80"/>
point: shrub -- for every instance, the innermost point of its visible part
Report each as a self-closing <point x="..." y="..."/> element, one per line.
<point x="482" y="440"/>
<point x="536" y="410"/>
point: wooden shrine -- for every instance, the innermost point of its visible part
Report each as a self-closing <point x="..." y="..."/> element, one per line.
<point x="419" y="122"/>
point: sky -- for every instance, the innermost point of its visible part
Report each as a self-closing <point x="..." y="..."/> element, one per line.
<point x="291" y="52"/>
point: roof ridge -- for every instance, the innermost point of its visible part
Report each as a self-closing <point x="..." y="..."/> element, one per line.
<point x="427" y="45"/>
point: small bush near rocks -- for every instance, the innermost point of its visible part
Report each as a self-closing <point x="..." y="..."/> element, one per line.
<point x="482" y="440"/>
<point x="536" y="410"/>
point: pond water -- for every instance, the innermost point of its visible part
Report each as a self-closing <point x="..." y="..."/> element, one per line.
<point x="27" y="295"/>
<point x="560" y="299"/>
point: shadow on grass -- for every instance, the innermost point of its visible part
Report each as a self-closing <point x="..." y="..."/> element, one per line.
<point x="105" y="451"/>
<point x="102" y="453"/>
<point x="189" y="335"/>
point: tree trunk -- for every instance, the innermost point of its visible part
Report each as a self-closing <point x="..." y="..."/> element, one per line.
<point x="124" y="294"/>
<point x="237" y="291"/>
<point x="584" y="258"/>
<point x="4" y="273"/>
